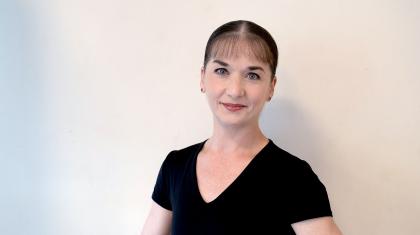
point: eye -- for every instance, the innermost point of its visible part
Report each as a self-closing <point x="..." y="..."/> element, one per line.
<point x="221" y="71"/>
<point x="253" y="76"/>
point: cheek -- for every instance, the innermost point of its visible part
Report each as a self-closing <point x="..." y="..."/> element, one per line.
<point x="258" y="95"/>
<point x="214" y="88"/>
<point x="212" y="97"/>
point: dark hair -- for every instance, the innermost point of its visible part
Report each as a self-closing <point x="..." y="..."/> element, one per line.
<point x="242" y="36"/>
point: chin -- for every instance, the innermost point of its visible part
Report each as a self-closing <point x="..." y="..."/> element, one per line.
<point x="233" y="122"/>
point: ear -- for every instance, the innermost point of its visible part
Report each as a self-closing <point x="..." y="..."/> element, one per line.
<point x="273" y="85"/>
<point x="203" y="71"/>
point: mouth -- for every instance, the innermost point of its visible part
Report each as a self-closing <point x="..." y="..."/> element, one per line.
<point x="233" y="107"/>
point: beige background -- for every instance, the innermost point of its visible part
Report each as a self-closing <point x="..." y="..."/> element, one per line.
<point x="94" y="94"/>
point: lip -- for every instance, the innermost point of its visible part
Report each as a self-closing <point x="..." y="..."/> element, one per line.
<point x="233" y="107"/>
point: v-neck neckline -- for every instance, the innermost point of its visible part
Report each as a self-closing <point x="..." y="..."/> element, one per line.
<point x="233" y="183"/>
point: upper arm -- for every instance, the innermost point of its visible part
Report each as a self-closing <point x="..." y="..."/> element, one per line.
<point x="158" y="221"/>
<point x="317" y="226"/>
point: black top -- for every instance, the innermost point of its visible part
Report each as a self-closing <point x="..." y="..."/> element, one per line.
<point x="275" y="190"/>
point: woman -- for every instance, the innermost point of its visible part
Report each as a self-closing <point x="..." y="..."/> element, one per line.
<point x="238" y="181"/>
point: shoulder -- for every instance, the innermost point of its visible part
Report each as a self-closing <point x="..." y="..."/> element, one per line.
<point x="289" y="169"/>
<point x="180" y="157"/>
<point x="285" y="161"/>
<point x="305" y="196"/>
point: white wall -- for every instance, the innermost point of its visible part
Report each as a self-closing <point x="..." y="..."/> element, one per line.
<point x="94" y="94"/>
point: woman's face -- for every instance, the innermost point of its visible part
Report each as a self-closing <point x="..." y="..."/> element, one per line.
<point x="237" y="89"/>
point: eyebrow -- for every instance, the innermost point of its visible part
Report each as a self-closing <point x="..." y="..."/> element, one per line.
<point x="222" y="63"/>
<point x="256" y="68"/>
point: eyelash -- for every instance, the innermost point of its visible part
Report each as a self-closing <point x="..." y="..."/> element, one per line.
<point x="257" y="77"/>
<point x="223" y="72"/>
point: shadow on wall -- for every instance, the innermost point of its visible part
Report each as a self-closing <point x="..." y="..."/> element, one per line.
<point x="293" y="130"/>
<point x="21" y="160"/>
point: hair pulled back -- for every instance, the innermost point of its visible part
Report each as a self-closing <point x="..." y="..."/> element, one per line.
<point x="242" y="37"/>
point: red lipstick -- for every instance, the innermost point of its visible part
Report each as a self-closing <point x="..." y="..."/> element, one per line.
<point x="233" y="107"/>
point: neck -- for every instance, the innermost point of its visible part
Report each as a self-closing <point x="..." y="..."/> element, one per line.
<point x="233" y="138"/>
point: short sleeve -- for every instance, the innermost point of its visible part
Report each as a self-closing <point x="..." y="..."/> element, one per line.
<point x="308" y="197"/>
<point x="161" y="193"/>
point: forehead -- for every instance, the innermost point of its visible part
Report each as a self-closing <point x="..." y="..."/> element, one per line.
<point x="234" y="47"/>
<point x="239" y="61"/>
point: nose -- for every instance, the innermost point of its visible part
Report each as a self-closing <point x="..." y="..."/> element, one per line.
<point x="235" y="87"/>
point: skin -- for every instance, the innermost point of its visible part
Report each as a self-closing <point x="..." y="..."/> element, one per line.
<point x="236" y="138"/>
<point x="241" y="81"/>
